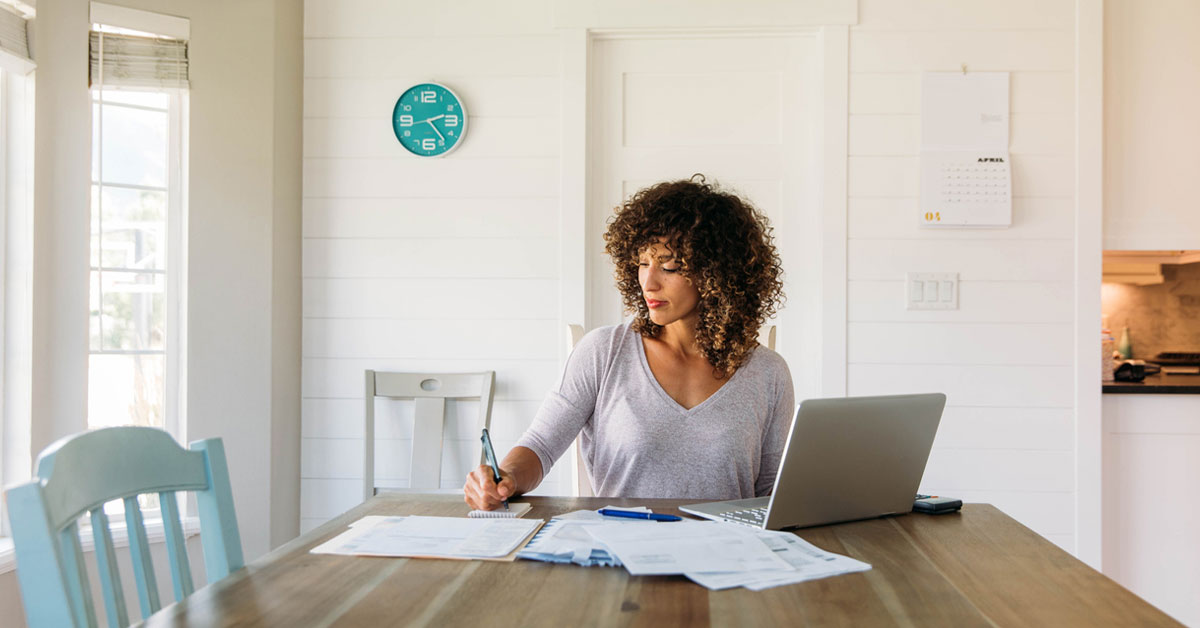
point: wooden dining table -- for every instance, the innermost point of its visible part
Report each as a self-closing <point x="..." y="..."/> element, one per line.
<point x="978" y="567"/>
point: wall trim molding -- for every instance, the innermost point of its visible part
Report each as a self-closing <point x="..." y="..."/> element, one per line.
<point x="751" y="14"/>
<point x="1089" y="225"/>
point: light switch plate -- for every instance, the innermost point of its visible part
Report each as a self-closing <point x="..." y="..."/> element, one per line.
<point x="931" y="291"/>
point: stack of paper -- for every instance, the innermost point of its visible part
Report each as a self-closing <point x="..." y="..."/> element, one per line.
<point x="807" y="561"/>
<point x="655" y="549"/>
<point x="715" y="555"/>
<point x="721" y="555"/>
<point x="444" y="537"/>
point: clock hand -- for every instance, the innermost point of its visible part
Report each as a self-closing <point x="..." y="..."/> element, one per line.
<point x="435" y="130"/>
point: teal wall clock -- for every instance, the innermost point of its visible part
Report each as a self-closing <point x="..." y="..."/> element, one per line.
<point x="429" y="120"/>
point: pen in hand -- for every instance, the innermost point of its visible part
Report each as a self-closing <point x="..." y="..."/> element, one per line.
<point x="489" y="454"/>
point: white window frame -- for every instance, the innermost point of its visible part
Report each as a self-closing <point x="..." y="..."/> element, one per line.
<point x="16" y="214"/>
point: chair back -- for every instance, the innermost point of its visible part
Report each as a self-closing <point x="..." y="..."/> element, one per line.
<point x="574" y="335"/>
<point x="429" y="392"/>
<point x="766" y="337"/>
<point x="78" y="475"/>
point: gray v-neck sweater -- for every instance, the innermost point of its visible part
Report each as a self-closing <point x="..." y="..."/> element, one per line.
<point x="639" y="442"/>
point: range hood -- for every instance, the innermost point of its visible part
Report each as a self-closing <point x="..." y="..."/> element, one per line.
<point x="1142" y="268"/>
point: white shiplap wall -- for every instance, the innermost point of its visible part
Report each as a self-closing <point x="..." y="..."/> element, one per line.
<point x="452" y="264"/>
<point x="425" y="265"/>
<point x="1004" y="358"/>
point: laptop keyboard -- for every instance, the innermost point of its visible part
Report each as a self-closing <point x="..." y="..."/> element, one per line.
<point x="750" y="516"/>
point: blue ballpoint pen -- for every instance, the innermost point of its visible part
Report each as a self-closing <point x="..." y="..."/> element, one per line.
<point x="639" y="515"/>
<point x="490" y="455"/>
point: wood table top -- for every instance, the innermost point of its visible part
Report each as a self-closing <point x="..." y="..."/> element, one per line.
<point x="978" y="567"/>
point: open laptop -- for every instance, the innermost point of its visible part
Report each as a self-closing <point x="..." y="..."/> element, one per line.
<point x="845" y="459"/>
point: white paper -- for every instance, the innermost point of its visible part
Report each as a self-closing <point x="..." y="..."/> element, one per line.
<point x="663" y="548"/>
<point x="808" y="562"/>
<point x="451" y="537"/>
<point x="964" y="111"/>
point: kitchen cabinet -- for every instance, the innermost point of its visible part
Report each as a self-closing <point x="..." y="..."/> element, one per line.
<point x="1151" y="124"/>
<point x="1151" y="508"/>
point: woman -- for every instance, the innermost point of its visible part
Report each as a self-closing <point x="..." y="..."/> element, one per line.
<point x="681" y="402"/>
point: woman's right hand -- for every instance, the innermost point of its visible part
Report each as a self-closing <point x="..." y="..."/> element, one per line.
<point x="481" y="491"/>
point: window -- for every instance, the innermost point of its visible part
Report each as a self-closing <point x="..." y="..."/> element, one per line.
<point x="139" y="103"/>
<point x="135" y="284"/>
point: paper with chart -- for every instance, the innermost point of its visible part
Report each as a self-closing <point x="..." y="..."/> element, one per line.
<point x="418" y="536"/>
<point x="808" y="562"/>
<point x="687" y="546"/>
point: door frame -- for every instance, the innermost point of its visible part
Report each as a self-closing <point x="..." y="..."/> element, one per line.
<point x="1089" y="238"/>
<point x="577" y="135"/>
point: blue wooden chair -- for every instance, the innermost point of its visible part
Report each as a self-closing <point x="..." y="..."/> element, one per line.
<point x="77" y="475"/>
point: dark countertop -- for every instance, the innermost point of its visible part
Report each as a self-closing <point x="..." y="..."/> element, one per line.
<point x="1157" y="385"/>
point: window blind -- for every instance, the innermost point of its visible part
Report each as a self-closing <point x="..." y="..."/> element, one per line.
<point x="13" y="38"/>
<point x="137" y="61"/>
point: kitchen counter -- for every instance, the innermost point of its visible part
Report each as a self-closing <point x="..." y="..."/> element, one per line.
<point x="1157" y="384"/>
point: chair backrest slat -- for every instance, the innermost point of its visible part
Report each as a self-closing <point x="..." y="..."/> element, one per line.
<point x="79" y="590"/>
<point x="106" y="565"/>
<point x="139" y="553"/>
<point x="429" y="392"/>
<point x="177" y="558"/>
<point x="439" y="385"/>
<point x="429" y="417"/>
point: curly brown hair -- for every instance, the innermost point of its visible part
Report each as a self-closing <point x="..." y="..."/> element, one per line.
<point x="725" y="247"/>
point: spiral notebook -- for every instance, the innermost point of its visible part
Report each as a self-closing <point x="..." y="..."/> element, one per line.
<point x="514" y="511"/>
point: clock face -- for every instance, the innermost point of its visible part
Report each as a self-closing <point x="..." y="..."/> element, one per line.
<point x="429" y="120"/>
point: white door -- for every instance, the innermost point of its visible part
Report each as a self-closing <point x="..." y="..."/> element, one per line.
<point x="742" y="111"/>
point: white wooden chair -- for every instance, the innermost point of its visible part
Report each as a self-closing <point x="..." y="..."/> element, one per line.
<point x="79" y="474"/>
<point x="429" y="392"/>
<point x="579" y="472"/>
